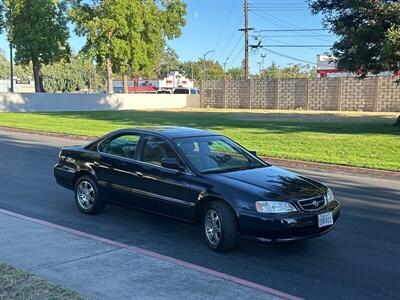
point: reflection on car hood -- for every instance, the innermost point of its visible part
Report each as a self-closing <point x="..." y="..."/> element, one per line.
<point x="277" y="184"/>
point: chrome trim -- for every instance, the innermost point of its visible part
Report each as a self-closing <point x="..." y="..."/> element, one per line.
<point x="186" y="172"/>
<point x="146" y="194"/>
<point x="325" y="202"/>
<point x="64" y="168"/>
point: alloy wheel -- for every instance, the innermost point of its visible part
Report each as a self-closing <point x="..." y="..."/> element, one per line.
<point x="213" y="227"/>
<point x="85" y="194"/>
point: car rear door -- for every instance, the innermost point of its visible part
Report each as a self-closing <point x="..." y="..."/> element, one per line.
<point x="165" y="190"/>
<point x="116" y="167"/>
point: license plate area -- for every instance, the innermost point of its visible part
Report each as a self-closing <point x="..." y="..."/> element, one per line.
<point x="325" y="219"/>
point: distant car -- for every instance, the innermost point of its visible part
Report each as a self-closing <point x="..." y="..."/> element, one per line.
<point x="189" y="91"/>
<point x="164" y="92"/>
<point x="198" y="176"/>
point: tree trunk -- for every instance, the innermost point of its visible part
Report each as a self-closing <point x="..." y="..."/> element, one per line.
<point x="110" y="88"/>
<point x="37" y="77"/>
<point x="397" y="123"/>
<point x="126" y="89"/>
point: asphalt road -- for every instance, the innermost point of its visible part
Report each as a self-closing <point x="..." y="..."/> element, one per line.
<point x="360" y="259"/>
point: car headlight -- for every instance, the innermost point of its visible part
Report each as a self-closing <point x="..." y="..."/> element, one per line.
<point x="329" y="195"/>
<point x="274" y="207"/>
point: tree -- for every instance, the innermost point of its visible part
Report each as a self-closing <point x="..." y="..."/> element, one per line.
<point x="38" y="31"/>
<point x="368" y="31"/>
<point x="168" y="61"/>
<point x="235" y="73"/>
<point x="4" y="66"/>
<point x="191" y="69"/>
<point x="126" y="36"/>
<point x="294" y="71"/>
<point x="74" y="74"/>
<point x="21" y="72"/>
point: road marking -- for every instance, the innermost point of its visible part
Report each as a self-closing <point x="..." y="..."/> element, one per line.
<point x="156" y="255"/>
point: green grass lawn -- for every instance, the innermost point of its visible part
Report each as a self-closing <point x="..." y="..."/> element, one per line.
<point x="355" y="139"/>
<point x="16" y="284"/>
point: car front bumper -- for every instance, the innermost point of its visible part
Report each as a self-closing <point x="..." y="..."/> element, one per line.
<point x="285" y="227"/>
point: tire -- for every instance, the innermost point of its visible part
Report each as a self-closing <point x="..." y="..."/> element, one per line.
<point x="228" y="235"/>
<point x="86" y="192"/>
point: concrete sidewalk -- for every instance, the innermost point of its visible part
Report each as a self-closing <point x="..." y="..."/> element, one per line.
<point x="102" y="269"/>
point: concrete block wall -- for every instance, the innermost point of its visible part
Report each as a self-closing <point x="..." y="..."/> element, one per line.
<point x="347" y="94"/>
<point x="358" y="95"/>
<point x="264" y="93"/>
<point x="389" y="95"/>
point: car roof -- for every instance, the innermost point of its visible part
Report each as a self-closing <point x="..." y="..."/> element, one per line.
<point x="173" y="131"/>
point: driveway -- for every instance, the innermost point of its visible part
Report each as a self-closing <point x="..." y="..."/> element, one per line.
<point x="358" y="260"/>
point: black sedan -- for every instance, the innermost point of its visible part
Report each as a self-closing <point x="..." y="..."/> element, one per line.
<point x="197" y="176"/>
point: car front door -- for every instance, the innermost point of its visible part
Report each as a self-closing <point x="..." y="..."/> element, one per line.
<point x="165" y="190"/>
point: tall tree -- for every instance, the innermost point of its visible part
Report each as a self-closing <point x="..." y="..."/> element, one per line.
<point x="168" y="61"/>
<point x="38" y="31"/>
<point x="75" y="74"/>
<point x="368" y="31"/>
<point x="125" y="36"/>
<point x="235" y="73"/>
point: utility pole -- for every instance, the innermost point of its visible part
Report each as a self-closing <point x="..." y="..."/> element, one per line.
<point x="246" y="30"/>
<point x="11" y="69"/>
<point x="246" y="39"/>
<point x="11" y="48"/>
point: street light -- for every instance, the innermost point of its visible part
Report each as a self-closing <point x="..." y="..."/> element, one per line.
<point x="204" y="62"/>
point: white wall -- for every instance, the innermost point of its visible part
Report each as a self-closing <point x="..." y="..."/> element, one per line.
<point x="88" y="102"/>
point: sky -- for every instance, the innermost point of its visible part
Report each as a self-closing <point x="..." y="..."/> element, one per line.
<point x="214" y="25"/>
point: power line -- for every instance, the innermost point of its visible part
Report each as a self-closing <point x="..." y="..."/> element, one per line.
<point x="292" y="36"/>
<point x="233" y="49"/>
<point x="237" y="56"/>
<point x="290" y="57"/>
<point x="291" y="46"/>
<point x="223" y="28"/>
<point x="290" y="30"/>
<point x="230" y="40"/>
<point x="283" y="24"/>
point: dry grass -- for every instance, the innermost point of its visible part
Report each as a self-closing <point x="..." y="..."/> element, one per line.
<point x="16" y="284"/>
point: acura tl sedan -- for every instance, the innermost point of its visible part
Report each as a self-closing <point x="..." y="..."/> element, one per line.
<point x="197" y="176"/>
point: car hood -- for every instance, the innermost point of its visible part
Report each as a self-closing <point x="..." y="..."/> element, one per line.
<point x="275" y="183"/>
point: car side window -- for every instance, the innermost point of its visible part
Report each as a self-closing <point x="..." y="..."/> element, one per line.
<point x="156" y="149"/>
<point x="124" y="146"/>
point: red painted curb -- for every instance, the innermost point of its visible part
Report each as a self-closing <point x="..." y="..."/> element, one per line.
<point x="156" y="255"/>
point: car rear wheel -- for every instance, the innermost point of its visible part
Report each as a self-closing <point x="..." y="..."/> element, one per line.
<point x="87" y="196"/>
<point x="220" y="227"/>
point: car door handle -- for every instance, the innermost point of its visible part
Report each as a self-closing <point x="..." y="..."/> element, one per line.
<point x="139" y="174"/>
<point x="96" y="163"/>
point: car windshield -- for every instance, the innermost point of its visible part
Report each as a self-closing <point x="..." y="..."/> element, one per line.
<point x="217" y="154"/>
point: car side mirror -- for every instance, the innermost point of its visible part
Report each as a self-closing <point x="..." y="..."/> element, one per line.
<point x="171" y="163"/>
<point x="253" y="152"/>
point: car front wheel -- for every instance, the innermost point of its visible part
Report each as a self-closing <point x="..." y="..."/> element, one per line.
<point x="220" y="227"/>
<point x="87" y="196"/>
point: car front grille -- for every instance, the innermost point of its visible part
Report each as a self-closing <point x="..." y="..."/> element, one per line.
<point x="314" y="203"/>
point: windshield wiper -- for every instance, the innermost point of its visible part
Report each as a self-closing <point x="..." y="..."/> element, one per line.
<point x="241" y="168"/>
